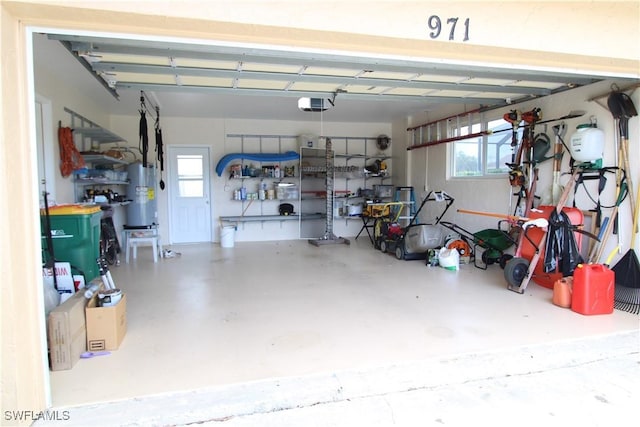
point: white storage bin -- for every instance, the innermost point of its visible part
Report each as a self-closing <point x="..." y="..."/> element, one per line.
<point x="286" y="191"/>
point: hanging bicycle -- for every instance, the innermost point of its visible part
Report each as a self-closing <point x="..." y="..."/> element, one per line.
<point x="109" y="245"/>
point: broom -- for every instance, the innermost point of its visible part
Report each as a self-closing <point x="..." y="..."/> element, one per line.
<point x="627" y="271"/>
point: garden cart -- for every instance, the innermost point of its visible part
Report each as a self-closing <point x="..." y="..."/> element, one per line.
<point x="493" y="242"/>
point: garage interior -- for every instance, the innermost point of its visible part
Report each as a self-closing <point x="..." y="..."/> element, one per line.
<point x="273" y="306"/>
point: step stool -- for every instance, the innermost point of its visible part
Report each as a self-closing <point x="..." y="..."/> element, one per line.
<point x="407" y="196"/>
<point x="134" y="237"/>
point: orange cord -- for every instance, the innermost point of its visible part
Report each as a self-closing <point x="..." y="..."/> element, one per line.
<point x="70" y="157"/>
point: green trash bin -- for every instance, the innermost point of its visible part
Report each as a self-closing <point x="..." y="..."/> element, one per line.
<point x="75" y="232"/>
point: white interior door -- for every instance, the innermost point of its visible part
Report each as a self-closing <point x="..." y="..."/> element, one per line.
<point x="189" y="194"/>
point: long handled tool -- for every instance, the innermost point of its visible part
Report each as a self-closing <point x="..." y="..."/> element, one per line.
<point x="627" y="272"/>
<point x="51" y="262"/>
<point x="598" y="249"/>
<point x="622" y="108"/>
<point x="512" y="218"/>
<point x="105" y="274"/>
<point x="552" y="195"/>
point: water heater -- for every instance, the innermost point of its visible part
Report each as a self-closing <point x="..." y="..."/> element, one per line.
<point x="143" y="209"/>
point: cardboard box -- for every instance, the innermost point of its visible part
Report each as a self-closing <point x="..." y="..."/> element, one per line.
<point x="66" y="332"/>
<point x="106" y="326"/>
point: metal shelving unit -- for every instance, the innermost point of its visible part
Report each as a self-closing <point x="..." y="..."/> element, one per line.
<point x="313" y="173"/>
<point x="101" y="159"/>
<point x="90" y="133"/>
<point x="358" y="152"/>
<point x="267" y="208"/>
<point x="89" y="136"/>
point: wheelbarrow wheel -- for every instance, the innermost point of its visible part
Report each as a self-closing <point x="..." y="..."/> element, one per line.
<point x="515" y="270"/>
<point x="487" y="257"/>
<point x="504" y="259"/>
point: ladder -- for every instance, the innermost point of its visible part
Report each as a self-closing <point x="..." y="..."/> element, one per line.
<point x="408" y="209"/>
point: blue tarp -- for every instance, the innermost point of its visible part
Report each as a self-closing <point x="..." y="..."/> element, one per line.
<point x="257" y="157"/>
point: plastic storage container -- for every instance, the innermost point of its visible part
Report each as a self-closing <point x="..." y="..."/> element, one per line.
<point x="75" y="231"/>
<point x="286" y="191"/>
<point x="383" y="191"/>
<point x="593" y="289"/>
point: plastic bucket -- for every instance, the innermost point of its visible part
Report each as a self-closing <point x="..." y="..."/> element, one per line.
<point x="227" y="236"/>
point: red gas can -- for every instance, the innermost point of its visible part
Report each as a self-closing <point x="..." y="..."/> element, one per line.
<point x="528" y="250"/>
<point x="593" y="289"/>
<point x="562" y="292"/>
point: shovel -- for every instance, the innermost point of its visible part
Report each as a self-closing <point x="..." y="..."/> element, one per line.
<point x="622" y="108"/>
<point x="551" y="196"/>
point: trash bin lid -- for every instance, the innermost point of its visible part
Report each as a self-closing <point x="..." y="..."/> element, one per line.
<point x="72" y="209"/>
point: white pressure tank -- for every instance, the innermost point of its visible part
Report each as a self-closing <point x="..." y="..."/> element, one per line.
<point x="587" y="143"/>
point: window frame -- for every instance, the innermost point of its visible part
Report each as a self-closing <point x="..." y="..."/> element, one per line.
<point x="480" y="124"/>
<point x="190" y="178"/>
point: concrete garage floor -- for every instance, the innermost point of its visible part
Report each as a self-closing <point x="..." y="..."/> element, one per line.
<point x="286" y="333"/>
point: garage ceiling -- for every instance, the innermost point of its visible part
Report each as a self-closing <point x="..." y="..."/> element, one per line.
<point x="240" y="82"/>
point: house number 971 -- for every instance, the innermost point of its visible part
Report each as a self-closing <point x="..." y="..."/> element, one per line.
<point x="435" y="25"/>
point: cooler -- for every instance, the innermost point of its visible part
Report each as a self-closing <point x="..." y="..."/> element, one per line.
<point x="535" y="234"/>
<point x="75" y="231"/>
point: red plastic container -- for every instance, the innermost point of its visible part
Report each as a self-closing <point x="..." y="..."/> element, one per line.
<point x="593" y="289"/>
<point x="562" y="292"/>
<point x="547" y="280"/>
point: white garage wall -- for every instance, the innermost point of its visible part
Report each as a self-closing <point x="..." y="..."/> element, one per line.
<point x="492" y="194"/>
<point x="212" y="133"/>
<point x="63" y="95"/>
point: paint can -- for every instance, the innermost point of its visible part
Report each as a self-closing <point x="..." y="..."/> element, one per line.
<point x="109" y="297"/>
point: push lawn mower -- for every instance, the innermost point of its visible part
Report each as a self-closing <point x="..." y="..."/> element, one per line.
<point x="414" y="240"/>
